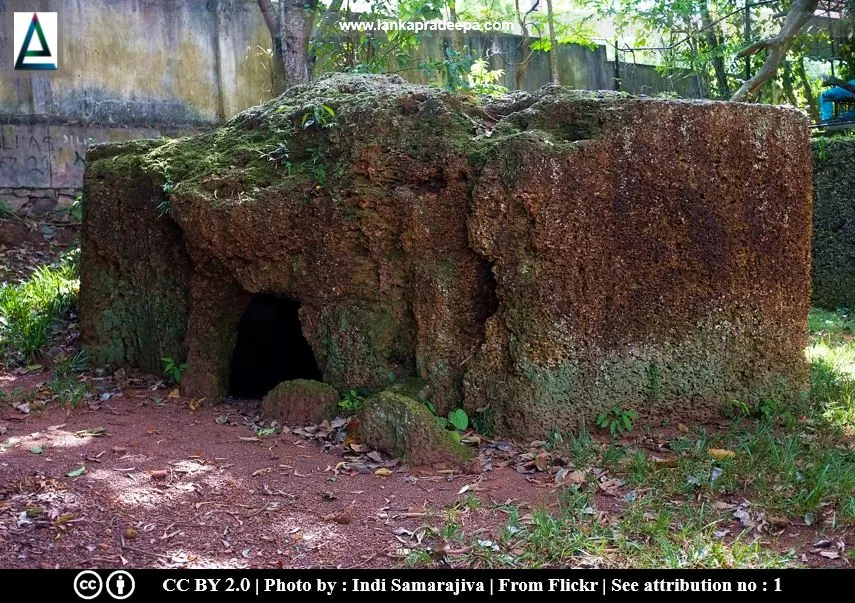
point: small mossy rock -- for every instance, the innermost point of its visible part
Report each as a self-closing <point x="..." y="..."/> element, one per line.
<point x="300" y="401"/>
<point x="405" y="428"/>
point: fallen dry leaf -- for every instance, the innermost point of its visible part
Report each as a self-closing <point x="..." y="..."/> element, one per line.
<point x="664" y="462"/>
<point x="610" y="487"/>
<point x="383" y="472"/>
<point x="159" y="474"/>
<point x="542" y="461"/>
<point x="683" y="428"/>
<point x="174" y="394"/>
<point x="721" y="454"/>
<point x="565" y="476"/>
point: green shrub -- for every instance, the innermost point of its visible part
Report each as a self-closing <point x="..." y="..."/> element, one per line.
<point x="29" y="310"/>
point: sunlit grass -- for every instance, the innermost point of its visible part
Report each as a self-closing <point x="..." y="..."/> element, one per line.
<point x="29" y="310"/>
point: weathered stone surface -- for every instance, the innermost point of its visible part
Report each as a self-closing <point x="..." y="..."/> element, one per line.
<point x="13" y="203"/>
<point x="64" y="201"/>
<point x="406" y="429"/>
<point x="300" y="401"/>
<point x="545" y="255"/>
<point x="646" y="254"/>
<point x="39" y="206"/>
<point x="136" y="270"/>
<point x="834" y="223"/>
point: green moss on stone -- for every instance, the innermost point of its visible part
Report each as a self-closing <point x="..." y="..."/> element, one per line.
<point x="406" y="429"/>
<point x="301" y="401"/>
<point x="834" y="223"/>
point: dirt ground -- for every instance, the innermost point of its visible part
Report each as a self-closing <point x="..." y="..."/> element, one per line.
<point x="139" y="476"/>
<point x="165" y="485"/>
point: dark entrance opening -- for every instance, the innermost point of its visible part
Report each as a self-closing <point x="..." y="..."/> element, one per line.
<point x="270" y="348"/>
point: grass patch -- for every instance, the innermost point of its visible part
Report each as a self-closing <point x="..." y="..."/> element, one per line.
<point x="30" y="310"/>
<point x="65" y="383"/>
<point x="720" y="497"/>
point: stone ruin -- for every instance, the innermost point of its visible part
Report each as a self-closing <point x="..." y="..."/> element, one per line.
<point x="535" y="258"/>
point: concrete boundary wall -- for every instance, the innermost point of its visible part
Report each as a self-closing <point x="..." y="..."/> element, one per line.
<point x="145" y="68"/>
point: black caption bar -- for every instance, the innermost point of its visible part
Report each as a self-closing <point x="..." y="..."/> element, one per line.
<point x="280" y="585"/>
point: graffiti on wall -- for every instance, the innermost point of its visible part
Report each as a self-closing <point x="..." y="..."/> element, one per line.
<point x="53" y="156"/>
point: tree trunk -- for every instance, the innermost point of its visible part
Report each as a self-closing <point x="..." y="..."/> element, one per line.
<point x="812" y="108"/>
<point x="277" y="67"/>
<point x="524" y="43"/>
<point x="553" y="44"/>
<point x="296" y="21"/>
<point x="713" y="48"/>
<point x="776" y="48"/>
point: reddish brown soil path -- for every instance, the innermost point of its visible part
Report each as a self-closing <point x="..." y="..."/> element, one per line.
<point x="167" y="486"/>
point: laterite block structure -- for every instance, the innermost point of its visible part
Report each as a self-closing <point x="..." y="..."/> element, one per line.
<point x="539" y="257"/>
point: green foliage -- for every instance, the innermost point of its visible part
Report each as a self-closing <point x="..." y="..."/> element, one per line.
<point x="370" y="52"/>
<point x="173" y="370"/>
<point x="318" y="167"/>
<point x="451" y="71"/>
<point x="75" y="210"/>
<point x="29" y="310"/>
<point x="265" y="432"/>
<point x="352" y="401"/>
<point x="279" y="156"/>
<point x="821" y="148"/>
<point x="457" y="420"/>
<point x="321" y="116"/>
<point x="737" y="409"/>
<point x="617" y="420"/>
<point x="6" y="210"/>
<point x="168" y="187"/>
<point x="483" y="80"/>
<point x="838" y="322"/>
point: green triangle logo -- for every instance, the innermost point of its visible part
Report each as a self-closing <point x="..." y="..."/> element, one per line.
<point x="35" y="28"/>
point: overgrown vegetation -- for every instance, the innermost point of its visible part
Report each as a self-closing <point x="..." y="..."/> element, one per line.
<point x="30" y="310"/>
<point x="617" y="420"/>
<point x="65" y="380"/>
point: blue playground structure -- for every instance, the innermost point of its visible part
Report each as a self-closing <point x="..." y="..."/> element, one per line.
<point x="837" y="105"/>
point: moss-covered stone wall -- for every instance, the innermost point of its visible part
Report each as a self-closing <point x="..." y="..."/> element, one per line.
<point x="834" y="223"/>
<point x="545" y="256"/>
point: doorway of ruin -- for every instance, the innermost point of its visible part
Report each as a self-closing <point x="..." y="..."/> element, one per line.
<point x="270" y="348"/>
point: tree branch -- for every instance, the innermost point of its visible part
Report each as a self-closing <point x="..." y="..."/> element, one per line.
<point x="800" y="13"/>
<point x="270" y="17"/>
<point x="833" y="81"/>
